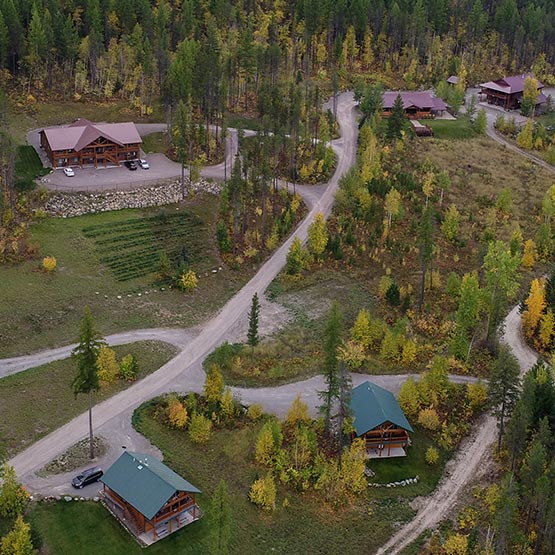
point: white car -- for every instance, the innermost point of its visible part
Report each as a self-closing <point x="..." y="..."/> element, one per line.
<point x="144" y="164"/>
<point x="69" y="172"/>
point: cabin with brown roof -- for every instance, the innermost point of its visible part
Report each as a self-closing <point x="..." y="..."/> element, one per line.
<point x="84" y="143"/>
<point x="417" y="104"/>
<point x="508" y="91"/>
<point x="149" y="499"/>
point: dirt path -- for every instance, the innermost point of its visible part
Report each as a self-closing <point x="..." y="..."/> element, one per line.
<point x="185" y="367"/>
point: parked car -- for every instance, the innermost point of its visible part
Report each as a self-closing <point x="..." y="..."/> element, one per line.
<point x="87" y="477"/>
<point x="69" y="172"/>
<point x="130" y="165"/>
<point x="144" y="164"/>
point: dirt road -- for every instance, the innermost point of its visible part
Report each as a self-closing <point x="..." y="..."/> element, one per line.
<point x="185" y="366"/>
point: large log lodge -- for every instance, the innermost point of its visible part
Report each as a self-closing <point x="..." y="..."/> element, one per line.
<point x="84" y="143"/>
<point x="378" y="419"/>
<point x="417" y="104"/>
<point x="508" y="91"/>
<point x="148" y="498"/>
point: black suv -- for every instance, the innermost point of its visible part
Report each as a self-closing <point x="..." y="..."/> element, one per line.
<point x="87" y="477"/>
<point x="130" y="165"/>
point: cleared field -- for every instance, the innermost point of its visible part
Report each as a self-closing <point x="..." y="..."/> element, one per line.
<point x="39" y="311"/>
<point x="131" y="248"/>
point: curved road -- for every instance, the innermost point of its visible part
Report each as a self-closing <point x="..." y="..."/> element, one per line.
<point x="185" y="367"/>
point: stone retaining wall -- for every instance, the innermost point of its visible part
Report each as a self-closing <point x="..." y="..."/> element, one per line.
<point x="68" y="205"/>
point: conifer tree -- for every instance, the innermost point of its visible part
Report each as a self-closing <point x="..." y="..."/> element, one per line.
<point x="85" y="356"/>
<point x="252" y="334"/>
<point x="18" y="540"/>
<point x="332" y="340"/>
<point x="221" y="520"/>
<point x="397" y="120"/>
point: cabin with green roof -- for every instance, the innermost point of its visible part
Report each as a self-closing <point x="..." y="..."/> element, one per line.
<point x="378" y="419"/>
<point x="148" y="498"/>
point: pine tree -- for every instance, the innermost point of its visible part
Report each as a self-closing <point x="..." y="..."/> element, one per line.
<point x="332" y="341"/>
<point x="252" y="334"/>
<point x="397" y="120"/>
<point x="503" y="388"/>
<point x="85" y="355"/>
<point x="221" y="520"/>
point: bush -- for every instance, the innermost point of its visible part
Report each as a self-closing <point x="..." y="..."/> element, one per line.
<point x="188" y="281"/>
<point x="456" y="544"/>
<point x="254" y="412"/>
<point x="13" y="497"/>
<point x="200" y="428"/>
<point x="128" y="368"/>
<point x="429" y="419"/>
<point x="48" y="264"/>
<point x="263" y="493"/>
<point x="107" y="365"/>
<point x="432" y="456"/>
<point x="298" y="412"/>
<point x="177" y="413"/>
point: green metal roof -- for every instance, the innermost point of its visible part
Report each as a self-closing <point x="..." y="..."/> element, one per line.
<point x="144" y="482"/>
<point x="372" y="405"/>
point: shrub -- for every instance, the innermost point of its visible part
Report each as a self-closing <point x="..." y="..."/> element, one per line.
<point x="128" y="368"/>
<point x="263" y="493"/>
<point x="177" y="413"/>
<point x="429" y="419"/>
<point x="530" y="254"/>
<point x="476" y="395"/>
<point x="392" y="295"/>
<point x="409" y="399"/>
<point x="214" y="384"/>
<point x="227" y="404"/>
<point x="296" y="258"/>
<point x="264" y="449"/>
<point x="200" y="428"/>
<point x="13" y="497"/>
<point x="352" y="354"/>
<point x="456" y="544"/>
<point x="49" y="264"/>
<point x="254" y="412"/>
<point x="298" y="412"/>
<point x="188" y="281"/>
<point x="107" y="365"/>
<point x="432" y="456"/>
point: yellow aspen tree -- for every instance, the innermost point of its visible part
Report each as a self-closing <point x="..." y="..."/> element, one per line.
<point x="317" y="236"/>
<point x="392" y="204"/>
<point x="177" y="413"/>
<point x="535" y="304"/>
<point x="367" y="50"/>
<point x="547" y="329"/>
<point x="428" y="185"/>
<point x="530" y="254"/>
<point x="350" y="49"/>
<point x="360" y="332"/>
<point x="214" y="384"/>
<point x="227" y="404"/>
<point x="298" y="412"/>
<point x="107" y="365"/>
<point x="525" y="138"/>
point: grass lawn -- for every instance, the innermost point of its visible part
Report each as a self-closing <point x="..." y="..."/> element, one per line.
<point x="35" y="402"/>
<point x="449" y="129"/>
<point x="155" y="142"/>
<point x="38" y="311"/>
<point x="27" y="167"/>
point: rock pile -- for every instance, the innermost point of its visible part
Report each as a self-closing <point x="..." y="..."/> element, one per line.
<point x="402" y="483"/>
<point x="68" y="205"/>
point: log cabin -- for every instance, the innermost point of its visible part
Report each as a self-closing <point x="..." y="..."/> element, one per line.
<point x="417" y="104"/>
<point x="149" y="499"/>
<point x="507" y="92"/>
<point x="378" y="419"/>
<point x="84" y="143"/>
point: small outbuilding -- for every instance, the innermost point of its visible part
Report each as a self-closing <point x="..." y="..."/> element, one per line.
<point x="148" y="498"/>
<point x="378" y="419"/>
<point x="453" y="80"/>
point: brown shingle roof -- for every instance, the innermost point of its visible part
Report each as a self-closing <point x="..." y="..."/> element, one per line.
<point x="82" y="132"/>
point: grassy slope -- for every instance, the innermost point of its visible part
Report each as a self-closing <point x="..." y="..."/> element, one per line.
<point x="38" y="311"/>
<point x="449" y="129"/>
<point x="38" y="401"/>
<point x="304" y="525"/>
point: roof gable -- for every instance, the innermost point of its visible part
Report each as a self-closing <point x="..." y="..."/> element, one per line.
<point x="82" y="132"/>
<point x="512" y="84"/>
<point x="372" y="406"/>
<point x="144" y="482"/>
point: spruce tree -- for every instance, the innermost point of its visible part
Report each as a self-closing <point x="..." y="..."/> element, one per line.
<point x="252" y="334"/>
<point x="332" y="340"/>
<point x="85" y="355"/>
<point x="397" y="120"/>
<point x="221" y="520"/>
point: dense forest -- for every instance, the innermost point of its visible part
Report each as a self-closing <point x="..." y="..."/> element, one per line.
<point x="230" y="50"/>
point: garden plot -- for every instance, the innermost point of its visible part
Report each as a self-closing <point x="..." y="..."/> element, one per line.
<point x="132" y="248"/>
